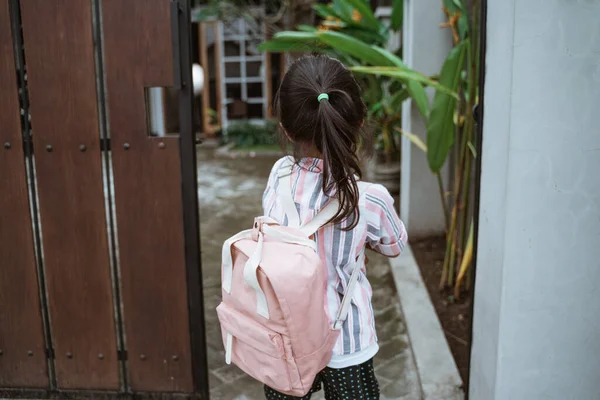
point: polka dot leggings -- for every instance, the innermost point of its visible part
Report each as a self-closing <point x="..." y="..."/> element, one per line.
<point x="352" y="383"/>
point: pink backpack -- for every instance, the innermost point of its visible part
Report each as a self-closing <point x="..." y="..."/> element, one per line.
<point x="273" y="316"/>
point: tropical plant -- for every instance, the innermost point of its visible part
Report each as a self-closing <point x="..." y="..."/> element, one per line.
<point x="451" y="122"/>
<point x="351" y="32"/>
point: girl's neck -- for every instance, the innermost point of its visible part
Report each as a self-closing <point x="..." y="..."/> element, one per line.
<point x="311" y="151"/>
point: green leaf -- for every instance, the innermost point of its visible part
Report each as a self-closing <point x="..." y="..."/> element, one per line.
<point x="398" y="98"/>
<point x="306" y="28"/>
<point x="463" y="26"/>
<point x="291" y="36"/>
<point x="325" y="11"/>
<point x="276" y="46"/>
<point x="407" y="75"/>
<point x="455" y="6"/>
<point x="415" y="89"/>
<point x="343" y="9"/>
<point x="413" y="81"/>
<point x="472" y="148"/>
<point x="354" y="47"/>
<point x="440" y="127"/>
<point x="367" y="14"/>
<point x="397" y="15"/>
<point x="392" y="59"/>
<point x="375" y="107"/>
<point x="414" y="140"/>
<point x="373" y="92"/>
<point x="367" y="36"/>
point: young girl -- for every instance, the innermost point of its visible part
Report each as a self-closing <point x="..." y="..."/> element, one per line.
<point x="322" y="115"/>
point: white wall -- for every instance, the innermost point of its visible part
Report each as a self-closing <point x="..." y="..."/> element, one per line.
<point x="425" y="47"/>
<point x="537" y="302"/>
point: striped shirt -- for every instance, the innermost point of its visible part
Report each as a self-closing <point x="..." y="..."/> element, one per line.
<point x="379" y="227"/>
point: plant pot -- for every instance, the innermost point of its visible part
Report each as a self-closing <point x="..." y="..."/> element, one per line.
<point x="389" y="176"/>
<point x="387" y="173"/>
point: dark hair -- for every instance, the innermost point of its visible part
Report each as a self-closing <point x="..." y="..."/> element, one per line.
<point x="333" y="126"/>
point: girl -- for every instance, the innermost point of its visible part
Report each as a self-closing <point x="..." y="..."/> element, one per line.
<point x="322" y="115"/>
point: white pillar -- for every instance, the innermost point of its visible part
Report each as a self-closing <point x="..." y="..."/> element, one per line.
<point x="425" y="47"/>
<point x="537" y="308"/>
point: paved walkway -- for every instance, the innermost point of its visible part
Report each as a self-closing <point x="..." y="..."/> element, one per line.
<point x="230" y="197"/>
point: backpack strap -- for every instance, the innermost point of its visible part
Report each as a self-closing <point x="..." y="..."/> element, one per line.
<point x="285" y="192"/>
<point x="349" y="293"/>
<point x="323" y="217"/>
<point x="363" y="187"/>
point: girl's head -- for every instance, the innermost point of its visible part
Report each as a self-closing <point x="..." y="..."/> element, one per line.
<point x="329" y="128"/>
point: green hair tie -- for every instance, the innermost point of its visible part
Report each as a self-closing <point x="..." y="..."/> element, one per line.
<point x="323" y="96"/>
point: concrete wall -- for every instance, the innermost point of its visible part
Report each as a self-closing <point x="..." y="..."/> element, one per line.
<point x="537" y="308"/>
<point x="425" y="47"/>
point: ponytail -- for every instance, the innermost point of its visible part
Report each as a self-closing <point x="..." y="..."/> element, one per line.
<point x="336" y="141"/>
<point x="320" y="107"/>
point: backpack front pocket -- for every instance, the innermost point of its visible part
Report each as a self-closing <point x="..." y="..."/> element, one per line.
<point x="254" y="348"/>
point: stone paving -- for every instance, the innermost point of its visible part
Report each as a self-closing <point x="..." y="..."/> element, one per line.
<point x="230" y="193"/>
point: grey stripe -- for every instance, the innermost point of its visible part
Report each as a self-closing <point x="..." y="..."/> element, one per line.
<point x="324" y="200"/>
<point x="335" y="246"/>
<point x="373" y="230"/>
<point x="356" y="327"/>
<point x="345" y="334"/>
<point x="387" y="212"/>
<point x="348" y="240"/>
<point x="316" y="192"/>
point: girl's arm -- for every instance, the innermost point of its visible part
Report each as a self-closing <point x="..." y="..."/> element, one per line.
<point x="386" y="233"/>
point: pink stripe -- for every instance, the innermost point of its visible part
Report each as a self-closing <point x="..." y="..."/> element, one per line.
<point x="373" y="207"/>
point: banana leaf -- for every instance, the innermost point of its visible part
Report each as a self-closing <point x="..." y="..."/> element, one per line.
<point x="352" y="46"/>
<point x="440" y="126"/>
<point x="306" y="28"/>
<point x="325" y="11"/>
<point x="343" y="9"/>
<point x="367" y="14"/>
<point x="465" y="263"/>
<point x="415" y="89"/>
<point x="414" y="139"/>
<point x="397" y="15"/>
<point x="407" y="75"/>
<point x="367" y="36"/>
<point x="292" y="36"/>
<point x="454" y="6"/>
<point x="396" y="100"/>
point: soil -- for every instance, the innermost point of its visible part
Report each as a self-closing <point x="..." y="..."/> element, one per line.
<point x="455" y="315"/>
